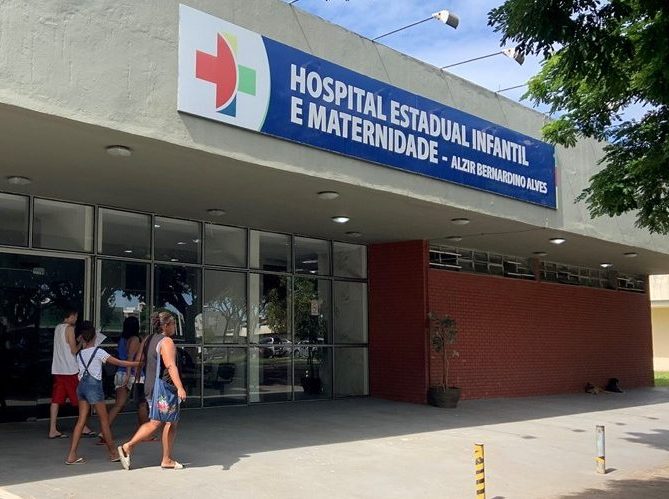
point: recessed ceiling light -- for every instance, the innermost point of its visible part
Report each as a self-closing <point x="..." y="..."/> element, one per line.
<point x="157" y="226"/>
<point x="18" y="180"/>
<point x="606" y="265"/>
<point x="556" y="240"/>
<point x="340" y="219"/>
<point x="539" y="253"/>
<point x="127" y="251"/>
<point x="460" y="221"/>
<point x="453" y="239"/>
<point x="328" y="195"/>
<point x="216" y="212"/>
<point x="353" y="233"/>
<point x="631" y="254"/>
<point x="181" y="243"/>
<point x="119" y="151"/>
<point x="196" y="241"/>
<point x="174" y="259"/>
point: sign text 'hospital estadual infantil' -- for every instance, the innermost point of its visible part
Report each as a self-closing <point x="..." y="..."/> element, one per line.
<point x="230" y="74"/>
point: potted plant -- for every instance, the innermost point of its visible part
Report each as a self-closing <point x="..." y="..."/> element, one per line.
<point x="443" y="333"/>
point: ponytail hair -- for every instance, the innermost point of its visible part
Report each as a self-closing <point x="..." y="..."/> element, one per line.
<point x="160" y="319"/>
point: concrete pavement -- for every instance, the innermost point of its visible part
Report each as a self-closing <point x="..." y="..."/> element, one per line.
<point x="539" y="447"/>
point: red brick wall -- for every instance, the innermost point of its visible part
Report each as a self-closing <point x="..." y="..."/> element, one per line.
<point x="397" y="310"/>
<point x="522" y="338"/>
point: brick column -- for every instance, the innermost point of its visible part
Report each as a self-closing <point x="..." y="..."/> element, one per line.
<point x="397" y="320"/>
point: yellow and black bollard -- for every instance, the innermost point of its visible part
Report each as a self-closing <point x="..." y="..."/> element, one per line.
<point x="479" y="461"/>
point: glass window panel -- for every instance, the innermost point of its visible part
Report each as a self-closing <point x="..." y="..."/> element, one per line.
<point x="125" y="234"/>
<point x="62" y="226"/>
<point x="351" y="373"/>
<point x="312" y="256"/>
<point x="177" y="240"/>
<point x="350" y="260"/>
<point x="269" y="310"/>
<point x="122" y="292"/>
<point x="224" y="245"/>
<point x="190" y="371"/>
<point x="14" y="213"/>
<point x="224" y="308"/>
<point x="269" y="251"/>
<point x="269" y="375"/>
<point x="313" y="372"/>
<point x="34" y="290"/>
<point x="177" y="289"/>
<point x="311" y="299"/>
<point x="350" y="312"/>
<point x="224" y="376"/>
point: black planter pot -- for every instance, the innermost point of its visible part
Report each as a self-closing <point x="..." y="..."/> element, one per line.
<point x="438" y="397"/>
<point x="311" y="385"/>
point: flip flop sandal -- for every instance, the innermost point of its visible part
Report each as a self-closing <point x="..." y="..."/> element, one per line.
<point x="177" y="466"/>
<point x="90" y="434"/>
<point x="60" y="435"/>
<point x="123" y="457"/>
<point x="116" y="459"/>
<point x="80" y="460"/>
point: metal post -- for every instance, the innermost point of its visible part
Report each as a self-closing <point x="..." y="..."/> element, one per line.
<point x="480" y="471"/>
<point x="601" y="458"/>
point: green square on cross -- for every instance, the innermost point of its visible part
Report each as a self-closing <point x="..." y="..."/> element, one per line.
<point x="247" y="80"/>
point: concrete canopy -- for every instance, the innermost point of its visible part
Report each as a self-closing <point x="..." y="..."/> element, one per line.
<point x="76" y="78"/>
<point x="67" y="160"/>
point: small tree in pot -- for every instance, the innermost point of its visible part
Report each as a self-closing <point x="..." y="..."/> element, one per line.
<point x="443" y="333"/>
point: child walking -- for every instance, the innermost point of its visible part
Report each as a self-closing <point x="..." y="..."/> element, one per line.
<point x="90" y="359"/>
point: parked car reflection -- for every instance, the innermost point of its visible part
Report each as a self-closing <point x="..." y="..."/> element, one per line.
<point x="275" y="346"/>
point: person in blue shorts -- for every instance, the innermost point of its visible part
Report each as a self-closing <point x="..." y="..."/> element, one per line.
<point x="89" y="391"/>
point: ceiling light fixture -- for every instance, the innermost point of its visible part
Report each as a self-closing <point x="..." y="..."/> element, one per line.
<point x="631" y="254"/>
<point x="174" y="259"/>
<point x="157" y="226"/>
<point x="216" y="212"/>
<point x="539" y="253"/>
<point x="19" y="180"/>
<point x="340" y="219"/>
<point x="328" y="195"/>
<point x="460" y="221"/>
<point x="557" y="240"/>
<point x="353" y="233"/>
<point x="119" y="151"/>
<point x="127" y="251"/>
<point x="181" y="243"/>
<point x="606" y="265"/>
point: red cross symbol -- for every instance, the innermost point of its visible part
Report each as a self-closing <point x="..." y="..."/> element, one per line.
<point x="219" y="69"/>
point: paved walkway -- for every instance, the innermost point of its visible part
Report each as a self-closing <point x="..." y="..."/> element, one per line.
<point x="540" y="447"/>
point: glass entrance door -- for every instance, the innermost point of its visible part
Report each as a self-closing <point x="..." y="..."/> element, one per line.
<point x="34" y="289"/>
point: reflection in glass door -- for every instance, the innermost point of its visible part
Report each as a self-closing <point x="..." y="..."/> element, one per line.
<point x="33" y="291"/>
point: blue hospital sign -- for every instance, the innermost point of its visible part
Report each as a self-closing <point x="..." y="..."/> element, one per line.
<point x="235" y="76"/>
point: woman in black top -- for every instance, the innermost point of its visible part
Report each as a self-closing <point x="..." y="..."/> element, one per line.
<point x="165" y="323"/>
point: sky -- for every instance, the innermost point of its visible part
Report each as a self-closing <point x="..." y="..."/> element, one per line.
<point x="434" y="42"/>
